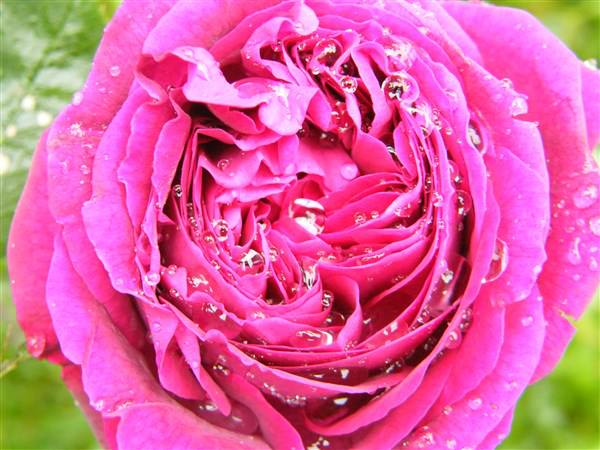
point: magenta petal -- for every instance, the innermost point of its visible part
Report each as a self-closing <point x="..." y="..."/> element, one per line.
<point x="590" y="80"/>
<point x="550" y="75"/>
<point x="71" y="375"/>
<point x="162" y="425"/>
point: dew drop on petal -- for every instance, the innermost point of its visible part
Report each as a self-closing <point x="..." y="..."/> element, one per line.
<point x="252" y="262"/>
<point x="221" y="228"/>
<point x="115" y="71"/>
<point x="499" y="261"/>
<point x="585" y="196"/>
<point x="447" y="276"/>
<point x="77" y="98"/>
<point x="518" y="106"/>
<point x="360" y="218"/>
<point x="348" y="84"/>
<point x="474" y="136"/>
<point x="573" y="255"/>
<point x="152" y="278"/>
<point x="223" y="164"/>
<point x="396" y="86"/>
<point x="309" y="214"/>
<point x="349" y="171"/>
<point x="526" y="321"/>
<point x="475" y="403"/>
<point x="454" y="339"/>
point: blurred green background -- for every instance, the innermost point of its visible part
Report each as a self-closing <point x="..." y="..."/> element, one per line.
<point x="46" y="51"/>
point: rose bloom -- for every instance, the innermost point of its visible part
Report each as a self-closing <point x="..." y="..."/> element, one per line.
<point x="321" y="224"/>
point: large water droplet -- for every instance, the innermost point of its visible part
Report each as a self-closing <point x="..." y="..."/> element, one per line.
<point x="348" y="84"/>
<point x="309" y="214"/>
<point x="152" y="278"/>
<point x="252" y="262"/>
<point x="349" y="171"/>
<point x="585" y="196"/>
<point x="312" y="338"/>
<point x="221" y="228"/>
<point x="464" y="202"/>
<point x="499" y="261"/>
<point x="518" y="106"/>
<point x="326" y="51"/>
<point x="397" y="86"/>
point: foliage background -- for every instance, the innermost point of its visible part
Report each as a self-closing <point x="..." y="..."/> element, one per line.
<point x="46" y="51"/>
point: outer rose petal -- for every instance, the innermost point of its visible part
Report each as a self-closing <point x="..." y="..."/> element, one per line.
<point x="32" y="232"/>
<point x="541" y="67"/>
<point x="71" y="375"/>
<point x="591" y="102"/>
<point x="163" y="426"/>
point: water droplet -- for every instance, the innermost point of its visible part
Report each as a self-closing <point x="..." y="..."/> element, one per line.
<point x="451" y="444"/>
<point x="309" y="276"/>
<point x="573" y="255"/>
<point x="585" y="196"/>
<point x="197" y="280"/>
<point x="75" y="130"/>
<point x="349" y="171"/>
<point x="454" y="339"/>
<point x="177" y="190"/>
<point x="221" y="369"/>
<point x="475" y="403"/>
<point x="327" y="299"/>
<point x="447" y="410"/>
<point x="396" y="86"/>
<point x="340" y="401"/>
<point x="591" y="63"/>
<point x="311" y="338"/>
<point x="84" y="169"/>
<point x="499" y="261"/>
<point x="348" y="84"/>
<point x="518" y="106"/>
<point x="252" y="262"/>
<point x="36" y="345"/>
<point x="309" y="214"/>
<point x="77" y="98"/>
<point x="436" y="199"/>
<point x="526" y="321"/>
<point x="474" y="136"/>
<point x="156" y="326"/>
<point x="223" y="164"/>
<point x="221" y="228"/>
<point x="593" y="264"/>
<point x="595" y="225"/>
<point x="326" y="51"/>
<point x="447" y="276"/>
<point x="360" y="218"/>
<point x="115" y="71"/>
<point x="506" y="83"/>
<point x="464" y="202"/>
<point x="152" y="278"/>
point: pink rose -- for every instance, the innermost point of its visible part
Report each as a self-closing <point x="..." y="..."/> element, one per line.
<point x="320" y="224"/>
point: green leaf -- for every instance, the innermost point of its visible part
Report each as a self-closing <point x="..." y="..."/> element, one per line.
<point x="47" y="49"/>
